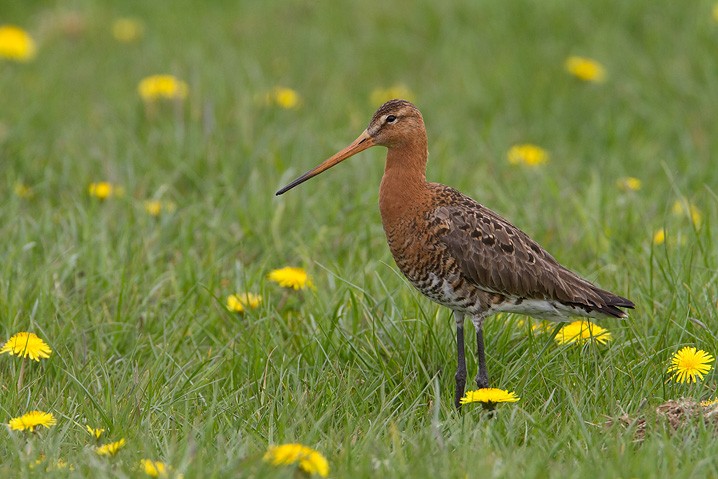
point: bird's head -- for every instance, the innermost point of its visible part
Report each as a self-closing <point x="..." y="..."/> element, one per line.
<point x="394" y="123"/>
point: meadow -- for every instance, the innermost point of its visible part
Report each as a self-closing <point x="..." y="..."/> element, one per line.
<point x="127" y="281"/>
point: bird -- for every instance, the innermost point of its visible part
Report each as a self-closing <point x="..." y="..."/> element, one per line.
<point x="459" y="253"/>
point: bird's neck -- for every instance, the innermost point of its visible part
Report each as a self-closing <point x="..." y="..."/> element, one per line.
<point x="404" y="183"/>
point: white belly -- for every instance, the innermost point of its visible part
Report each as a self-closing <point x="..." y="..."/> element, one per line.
<point x="543" y="309"/>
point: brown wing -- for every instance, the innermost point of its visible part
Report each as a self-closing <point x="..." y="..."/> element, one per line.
<point x="500" y="258"/>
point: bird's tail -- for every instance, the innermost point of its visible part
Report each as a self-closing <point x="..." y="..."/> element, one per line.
<point x="612" y="304"/>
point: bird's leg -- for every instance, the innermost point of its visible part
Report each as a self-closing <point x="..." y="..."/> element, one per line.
<point x="461" y="359"/>
<point x="482" y="377"/>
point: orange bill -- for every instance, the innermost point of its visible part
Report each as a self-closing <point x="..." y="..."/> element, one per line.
<point x="360" y="144"/>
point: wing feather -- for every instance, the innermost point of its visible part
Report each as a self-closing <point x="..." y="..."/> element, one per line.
<point x="499" y="258"/>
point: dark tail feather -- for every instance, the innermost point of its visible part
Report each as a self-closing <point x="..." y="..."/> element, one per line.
<point x="612" y="303"/>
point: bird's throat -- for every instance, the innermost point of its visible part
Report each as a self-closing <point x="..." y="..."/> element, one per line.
<point x="403" y="184"/>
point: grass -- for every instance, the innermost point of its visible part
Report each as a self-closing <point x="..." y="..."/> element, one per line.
<point x="361" y="368"/>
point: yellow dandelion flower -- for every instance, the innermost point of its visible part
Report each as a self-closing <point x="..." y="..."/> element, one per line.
<point x="379" y="96"/>
<point x="16" y="44"/>
<point x="527" y="154"/>
<point x="659" y="237"/>
<point x="284" y="97"/>
<point x="689" y="363"/>
<point x="111" y="448"/>
<point x="688" y="209"/>
<point x="628" y="183"/>
<point x="290" y="277"/>
<point x="31" y="420"/>
<point x="238" y="303"/>
<point x="157" y="87"/>
<point x="710" y="403"/>
<point x="154" y="468"/>
<point x="104" y="189"/>
<point x="489" y="395"/>
<point x="127" y="30"/>
<point x="153" y="207"/>
<point x="95" y="432"/>
<point x="307" y="459"/>
<point x="582" y="331"/>
<point x="677" y="208"/>
<point x="27" y="345"/>
<point x="40" y="459"/>
<point x="156" y="207"/>
<point x="585" y="69"/>
<point x="696" y="215"/>
<point x="23" y="191"/>
<point x="60" y="465"/>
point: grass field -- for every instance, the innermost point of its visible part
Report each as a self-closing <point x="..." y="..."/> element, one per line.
<point x="361" y="367"/>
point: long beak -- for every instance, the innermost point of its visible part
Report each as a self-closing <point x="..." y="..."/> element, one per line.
<point x="360" y="144"/>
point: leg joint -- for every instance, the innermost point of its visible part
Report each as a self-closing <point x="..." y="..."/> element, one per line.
<point x="459" y="318"/>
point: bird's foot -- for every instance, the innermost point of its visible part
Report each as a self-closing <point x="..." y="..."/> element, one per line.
<point x="482" y="379"/>
<point x="482" y="382"/>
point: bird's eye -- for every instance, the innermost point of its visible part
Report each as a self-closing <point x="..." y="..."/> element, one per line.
<point x="390" y="119"/>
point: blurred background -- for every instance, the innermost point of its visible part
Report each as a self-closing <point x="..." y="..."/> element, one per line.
<point x="487" y="76"/>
